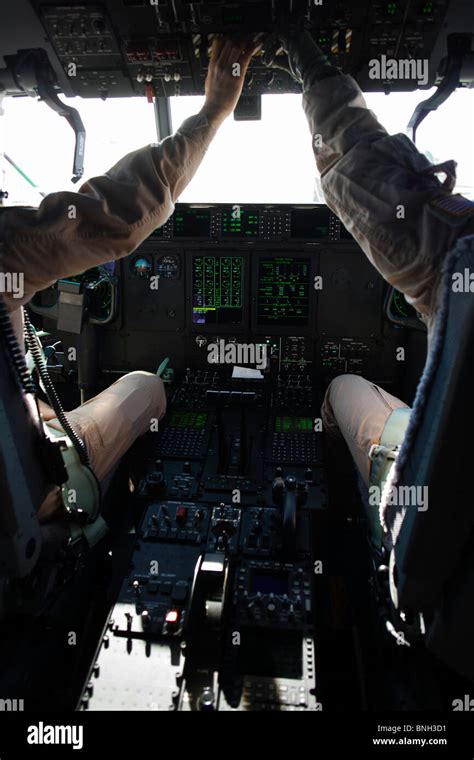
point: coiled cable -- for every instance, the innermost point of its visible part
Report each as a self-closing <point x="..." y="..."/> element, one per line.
<point x="36" y="351"/>
<point x="14" y="351"/>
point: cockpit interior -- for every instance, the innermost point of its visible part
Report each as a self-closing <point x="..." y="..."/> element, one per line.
<point x="228" y="566"/>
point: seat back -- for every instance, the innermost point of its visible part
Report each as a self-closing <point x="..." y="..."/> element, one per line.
<point x="22" y="480"/>
<point x="433" y="544"/>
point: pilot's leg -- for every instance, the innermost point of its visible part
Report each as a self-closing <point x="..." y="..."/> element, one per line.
<point x="108" y="424"/>
<point x="358" y="410"/>
<point x="111" y="421"/>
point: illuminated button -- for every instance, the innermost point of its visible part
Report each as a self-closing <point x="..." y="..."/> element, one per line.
<point x="172" y="616"/>
<point x="181" y="514"/>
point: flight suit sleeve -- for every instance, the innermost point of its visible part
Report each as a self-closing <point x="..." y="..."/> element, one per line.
<point x="384" y="190"/>
<point x="109" y="216"/>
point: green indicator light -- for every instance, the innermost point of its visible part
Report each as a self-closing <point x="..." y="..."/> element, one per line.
<point x="188" y="420"/>
<point x="304" y="424"/>
<point x="293" y="425"/>
<point x="283" y="424"/>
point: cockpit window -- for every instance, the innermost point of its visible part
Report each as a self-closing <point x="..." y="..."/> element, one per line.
<point x="445" y="133"/>
<point x="271" y="161"/>
<point x="267" y="161"/>
<point x="41" y="143"/>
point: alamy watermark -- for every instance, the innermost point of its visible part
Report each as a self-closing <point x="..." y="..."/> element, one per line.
<point x="463" y="282"/>
<point x="466" y="704"/>
<point x="400" y="496"/>
<point x="12" y="705"/>
<point x="12" y="282"/>
<point x="238" y="353"/>
<point x="384" y="68"/>
<point x="46" y="734"/>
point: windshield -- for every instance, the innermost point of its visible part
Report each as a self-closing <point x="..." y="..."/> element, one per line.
<point x="267" y="161"/>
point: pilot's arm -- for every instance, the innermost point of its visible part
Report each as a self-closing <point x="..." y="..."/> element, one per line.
<point x="112" y="214"/>
<point x="106" y="220"/>
<point x="387" y="195"/>
<point x="383" y="189"/>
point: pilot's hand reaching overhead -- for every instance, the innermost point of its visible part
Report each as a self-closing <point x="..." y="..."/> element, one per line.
<point x="388" y="195"/>
<point x="225" y="78"/>
<point x="113" y="214"/>
<point x="304" y="59"/>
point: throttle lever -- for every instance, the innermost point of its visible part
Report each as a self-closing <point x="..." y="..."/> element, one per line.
<point x="291" y="494"/>
<point x="290" y="500"/>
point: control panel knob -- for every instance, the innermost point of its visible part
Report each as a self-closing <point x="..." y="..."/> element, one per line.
<point x="187" y="468"/>
<point x="206" y="699"/>
<point x="155" y="482"/>
<point x="222" y="542"/>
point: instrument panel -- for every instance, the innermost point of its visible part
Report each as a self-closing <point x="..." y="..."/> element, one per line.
<point x="309" y="223"/>
<point x="257" y="308"/>
<point x="132" y="47"/>
<point x="255" y="320"/>
<point x="290" y="281"/>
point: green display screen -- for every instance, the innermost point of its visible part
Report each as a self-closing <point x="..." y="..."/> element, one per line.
<point x="192" y="223"/>
<point x="218" y="289"/>
<point x="293" y="425"/>
<point x="239" y="222"/>
<point x="310" y="223"/>
<point x="194" y="420"/>
<point x="283" y="290"/>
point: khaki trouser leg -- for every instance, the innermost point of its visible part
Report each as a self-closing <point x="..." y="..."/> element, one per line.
<point x="110" y="422"/>
<point x="358" y="410"/>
